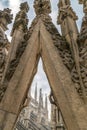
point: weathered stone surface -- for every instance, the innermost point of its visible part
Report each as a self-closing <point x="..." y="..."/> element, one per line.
<point x="61" y="84"/>
<point x="41" y="40"/>
<point x="7" y="120"/>
<point x="42" y="7"/>
<point x="18" y="45"/>
<point x="5" y="19"/>
<point x="71" y="52"/>
<point x="17" y="90"/>
<point x="21" y="19"/>
<point x="19" y="82"/>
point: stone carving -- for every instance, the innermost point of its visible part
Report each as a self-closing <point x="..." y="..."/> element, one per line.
<point x="72" y="53"/>
<point x="4" y="43"/>
<point x="42" y="6"/>
<point x="4" y="47"/>
<point x="21" y="21"/>
<point x="66" y="51"/>
<point x="82" y="42"/>
<point x="42" y="9"/>
<point x="84" y="2"/>
<point x="5" y="19"/>
<point x="51" y="98"/>
<point x="64" y="11"/>
<point x="21" y="18"/>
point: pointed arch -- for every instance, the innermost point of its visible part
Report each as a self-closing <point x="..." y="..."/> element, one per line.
<point x="41" y="44"/>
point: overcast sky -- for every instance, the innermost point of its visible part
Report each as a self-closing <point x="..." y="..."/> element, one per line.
<point x="40" y="77"/>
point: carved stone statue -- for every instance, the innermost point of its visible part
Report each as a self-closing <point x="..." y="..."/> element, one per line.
<point x="5" y="19"/>
<point x="21" y="20"/>
<point x="19" y="29"/>
<point x="42" y="6"/>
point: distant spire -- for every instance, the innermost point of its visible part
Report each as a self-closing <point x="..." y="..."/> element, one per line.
<point x="35" y="96"/>
<point x="46" y="104"/>
<point x="40" y="99"/>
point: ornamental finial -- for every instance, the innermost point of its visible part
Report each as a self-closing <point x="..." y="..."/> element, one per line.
<point x="21" y="18"/>
<point x="42" y="7"/>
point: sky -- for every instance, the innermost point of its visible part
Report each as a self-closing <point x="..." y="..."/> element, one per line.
<point x="40" y="77"/>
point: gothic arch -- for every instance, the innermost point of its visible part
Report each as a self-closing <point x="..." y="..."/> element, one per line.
<point x="22" y="66"/>
<point x="41" y="44"/>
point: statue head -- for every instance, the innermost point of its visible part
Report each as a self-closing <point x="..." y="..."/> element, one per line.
<point x="24" y="6"/>
<point x="5" y="17"/>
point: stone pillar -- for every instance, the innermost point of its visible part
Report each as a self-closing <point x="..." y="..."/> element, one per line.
<point x="62" y="86"/>
<point x="14" y="98"/>
<point x="67" y="19"/>
<point x="17" y="45"/>
<point x="82" y="42"/>
<point x="5" y="19"/>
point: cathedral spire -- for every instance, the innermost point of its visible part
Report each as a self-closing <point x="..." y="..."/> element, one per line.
<point x="42" y="7"/>
<point x="40" y="99"/>
<point x="35" y="95"/>
<point x="46" y="103"/>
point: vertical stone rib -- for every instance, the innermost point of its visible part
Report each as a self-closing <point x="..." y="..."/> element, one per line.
<point x="72" y="108"/>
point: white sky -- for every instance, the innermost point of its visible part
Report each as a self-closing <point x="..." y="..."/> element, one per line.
<point x="40" y="77"/>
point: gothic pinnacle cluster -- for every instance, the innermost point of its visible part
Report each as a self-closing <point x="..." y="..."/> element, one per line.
<point x="64" y="59"/>
<point x="41" y="102"/>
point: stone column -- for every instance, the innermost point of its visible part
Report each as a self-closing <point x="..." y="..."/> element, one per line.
<point x="18" y="44"/>
<point x="5" y="19"/>
<point x="67" y="19"/>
